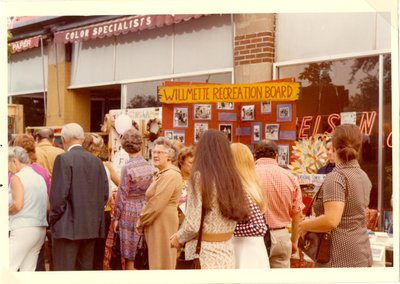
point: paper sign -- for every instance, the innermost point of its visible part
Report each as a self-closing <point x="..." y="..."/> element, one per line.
<point x="348" y="118"/>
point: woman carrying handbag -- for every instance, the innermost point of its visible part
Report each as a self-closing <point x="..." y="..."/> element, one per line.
<point x="221" y="196"/>
<point x="341" y="204"/>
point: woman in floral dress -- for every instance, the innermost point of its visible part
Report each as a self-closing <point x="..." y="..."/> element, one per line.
<point x="136" y="177"/>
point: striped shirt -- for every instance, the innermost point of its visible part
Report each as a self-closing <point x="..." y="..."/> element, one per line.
<point x="282" y="191"/>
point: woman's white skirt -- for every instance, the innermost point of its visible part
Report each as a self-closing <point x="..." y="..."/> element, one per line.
<point x="250" y="252"/>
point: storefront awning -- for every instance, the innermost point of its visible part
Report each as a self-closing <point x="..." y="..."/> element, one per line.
<point x="24" y="44"/>
<point x="122" y="25"/>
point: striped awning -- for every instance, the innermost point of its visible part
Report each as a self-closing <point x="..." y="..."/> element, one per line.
<point x="24" y="44"/>
<point x="119" y="26"/>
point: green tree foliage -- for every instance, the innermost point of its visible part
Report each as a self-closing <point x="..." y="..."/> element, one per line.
<point x="141" y="101"/>
<point x="317" y="73"/>
<point x="368" y="86"/>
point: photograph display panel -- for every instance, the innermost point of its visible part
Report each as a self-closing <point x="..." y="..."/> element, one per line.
<point x="180" y="117"/>
<point x="272" y="131"/>
<point x="226" y="129"/>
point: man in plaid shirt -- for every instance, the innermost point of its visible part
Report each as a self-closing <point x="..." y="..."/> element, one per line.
<point x="284" y="200"/>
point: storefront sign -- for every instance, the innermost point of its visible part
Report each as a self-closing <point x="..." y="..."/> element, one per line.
<point x="311" y="124"/>
<point x="24" y="44"/>
<point x="202" y="93"/>
<point x="121" y="25"/>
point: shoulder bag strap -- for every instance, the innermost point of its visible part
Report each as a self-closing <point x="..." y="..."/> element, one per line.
<point x="308" y="212"/>
<point x="198" y="246"/>
<point x="316" y="194"/>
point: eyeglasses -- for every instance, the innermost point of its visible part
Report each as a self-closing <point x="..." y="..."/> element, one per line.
<point x="160" y="152"/>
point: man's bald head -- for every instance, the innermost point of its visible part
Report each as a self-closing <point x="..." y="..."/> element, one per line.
<point x="45" y="133"/>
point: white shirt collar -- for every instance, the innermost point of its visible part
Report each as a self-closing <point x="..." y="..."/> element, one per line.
<point x="74" y="145"/>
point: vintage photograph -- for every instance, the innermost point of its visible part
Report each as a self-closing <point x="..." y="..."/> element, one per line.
<point x="179" y="136"/>
<point x="306" y="66"/>
<point x="284" y="112"/>
<point x="272" y="131"/>
<point x="226" y="105"/>
<point x="283" y="155"/>
<point x="199" y="129"/>
<point x="266" y="107"/>
<point x="247" y="113"/>
<point x="227" y="129"/>
<point x="180" y="117"/>
<point x="169" y="134"/>
<point x="256" y="130"/>
<point x="202" y="112"/>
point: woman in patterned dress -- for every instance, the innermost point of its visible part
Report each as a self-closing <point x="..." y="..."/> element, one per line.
<point x="215" y="187"/>
<point x="248" y="241"/>
<point x="341" y="204"/>
<point x="136" y="177"/>
<point x="159" y="216"/>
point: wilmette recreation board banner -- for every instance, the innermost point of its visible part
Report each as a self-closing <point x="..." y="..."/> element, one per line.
<point x="203" y="93"/>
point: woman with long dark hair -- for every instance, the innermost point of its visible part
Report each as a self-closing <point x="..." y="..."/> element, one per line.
<point x="216" y="188"/>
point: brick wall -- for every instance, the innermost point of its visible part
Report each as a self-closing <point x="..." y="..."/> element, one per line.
<point x="254" y="48"/>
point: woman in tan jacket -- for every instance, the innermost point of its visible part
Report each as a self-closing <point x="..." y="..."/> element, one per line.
<point x="159" y="216"/>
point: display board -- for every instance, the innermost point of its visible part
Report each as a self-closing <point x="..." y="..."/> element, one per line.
<point x="252" y="113"/>
<point x="146" y="120"/>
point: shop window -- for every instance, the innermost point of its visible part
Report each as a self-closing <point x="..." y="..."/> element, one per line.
<point x="144" y="94"/>
<point x="33" y="110"/>
<point x="328" y="88"/>
<point x="387" y="135"/>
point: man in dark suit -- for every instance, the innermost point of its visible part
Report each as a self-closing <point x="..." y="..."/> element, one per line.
<point x="79" y="192"/>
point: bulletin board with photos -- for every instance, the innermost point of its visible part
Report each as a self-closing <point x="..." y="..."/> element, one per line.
<point x="146" y="120"/>
<point x="188" y="112"/>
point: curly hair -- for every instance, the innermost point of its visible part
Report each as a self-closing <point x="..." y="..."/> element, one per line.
<point x="170" y="147"/>
<point x="132" y="141"/>
<point x="184" y="153"/>
<point x="27" y="142"/>
<point x="93" y="143"/>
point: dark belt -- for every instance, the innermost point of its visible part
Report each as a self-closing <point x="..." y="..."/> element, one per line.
<point x="275" y="229"/>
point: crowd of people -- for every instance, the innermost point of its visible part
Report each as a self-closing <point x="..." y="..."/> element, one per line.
<point x="74" y="198"/>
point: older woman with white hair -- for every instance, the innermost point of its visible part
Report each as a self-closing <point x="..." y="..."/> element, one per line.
<point x="159" y="216"/>
<point x="27" y="206"/>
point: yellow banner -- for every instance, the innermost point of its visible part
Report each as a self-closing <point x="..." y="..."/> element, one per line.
<point x="207" y="93"/>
